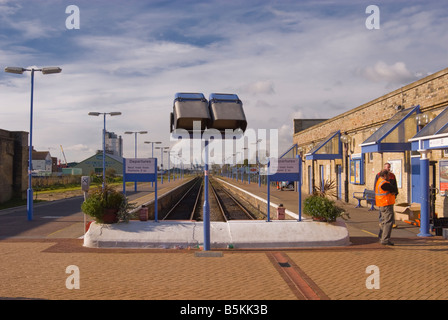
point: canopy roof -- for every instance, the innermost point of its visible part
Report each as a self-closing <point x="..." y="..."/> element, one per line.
<point x="434" y="135"/>
<point x="329" y="148"/>
<point x="393" y="136"/>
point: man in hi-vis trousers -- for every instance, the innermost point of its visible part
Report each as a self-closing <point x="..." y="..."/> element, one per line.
<point x="385" y="199"/>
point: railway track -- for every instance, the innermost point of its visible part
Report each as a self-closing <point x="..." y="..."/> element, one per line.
<point x="230" y="207"/>
<point x="223" y="206"/>
<point x="186" y="207"/>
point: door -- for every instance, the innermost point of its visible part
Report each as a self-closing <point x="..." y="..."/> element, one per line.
<point x="415" y="179"/>
<point x="433" y="190"/>
<point x="310" y="180"/>
<point x="339" y="180"/>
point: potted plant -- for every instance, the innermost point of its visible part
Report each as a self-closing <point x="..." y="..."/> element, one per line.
<point x="320" y="208"/>
<point x="107" y="205"/>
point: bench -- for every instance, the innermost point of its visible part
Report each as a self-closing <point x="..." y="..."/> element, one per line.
<point x="368" y="195"/>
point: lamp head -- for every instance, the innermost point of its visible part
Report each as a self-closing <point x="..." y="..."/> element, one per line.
<point x="50" y="70"/>
<point x="16" y="70"/>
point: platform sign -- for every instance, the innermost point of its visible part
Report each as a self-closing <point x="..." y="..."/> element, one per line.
<point x="286" y="169"/>
<point x="141" y="170"/>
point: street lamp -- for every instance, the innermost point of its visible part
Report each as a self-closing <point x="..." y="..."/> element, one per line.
<point x="152" y="143"/>
<point x="135" y="147"/>
<point x="19" y="70"/>
<point x="258" y="163"/>
<point x="152" y="153"/>
<point x="96" y="114"/>
<point x="169" y="165"/>
<point x="161" y="163"/>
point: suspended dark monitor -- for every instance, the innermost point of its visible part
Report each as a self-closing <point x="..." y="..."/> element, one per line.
<point x="188" y="108"/>
<point x="226" y="111"/>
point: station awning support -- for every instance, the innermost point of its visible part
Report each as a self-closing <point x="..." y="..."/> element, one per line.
<point x="329" y="148"/>
<point x="394" y="134"/>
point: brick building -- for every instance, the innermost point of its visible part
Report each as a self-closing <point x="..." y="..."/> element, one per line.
<point x="352" y="147"/>
<point x="13" y="164"/>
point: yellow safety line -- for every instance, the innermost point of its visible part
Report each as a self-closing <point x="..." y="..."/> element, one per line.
<point x="369" y="232"/>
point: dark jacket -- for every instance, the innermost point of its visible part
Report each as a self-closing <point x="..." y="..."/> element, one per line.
<point x="391" y="179"/>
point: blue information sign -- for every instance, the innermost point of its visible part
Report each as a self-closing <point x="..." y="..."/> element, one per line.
<point x="285" y="169"/>
<point x="141" y="170"/>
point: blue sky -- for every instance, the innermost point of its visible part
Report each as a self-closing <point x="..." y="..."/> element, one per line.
<point x="285" y="60"/>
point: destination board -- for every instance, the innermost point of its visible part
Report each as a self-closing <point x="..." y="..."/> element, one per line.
<point x="284" y="166"/>
<point x="140" y="165"/>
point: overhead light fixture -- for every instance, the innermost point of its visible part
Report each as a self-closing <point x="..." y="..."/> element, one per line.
<point x="50" y="70"/>
<point x="17" y="70"/>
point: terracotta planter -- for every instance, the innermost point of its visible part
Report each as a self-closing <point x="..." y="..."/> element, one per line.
<point x="143" y="214"/>
<point x="110" y="216"/>
<point x="88" y="225"/>
<point x="319" y="219"/>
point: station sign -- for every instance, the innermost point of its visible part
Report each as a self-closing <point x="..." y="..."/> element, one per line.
<point x="290" y="165"/>
<point x="140" y="165"/>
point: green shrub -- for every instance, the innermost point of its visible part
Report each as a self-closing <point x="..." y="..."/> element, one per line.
<point x="100" y="199"/>
<point x="321" y="207"/>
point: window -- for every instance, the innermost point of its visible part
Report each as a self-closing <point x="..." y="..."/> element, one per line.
<point x="357" y="169"/>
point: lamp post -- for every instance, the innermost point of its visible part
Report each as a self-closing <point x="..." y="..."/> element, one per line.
<point x="346" y="140"/>
<point x="169" y="164"/>
<point x="258" y="164"/>
<point x="161" y="163"/>
<point x="112" y="114"/>
<point x="236" y="166"/>
<point x="244" y="168"/>
<point x="135" y="147"/>
<point x="152" y="152"/>
<point x="20" y="70"/>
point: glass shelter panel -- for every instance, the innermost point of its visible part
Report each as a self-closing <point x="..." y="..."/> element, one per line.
<point x="331" y="147"/>
<point x="437" y="126"/>
<point x="403" y="132"/>
<point x="386" y="129"/>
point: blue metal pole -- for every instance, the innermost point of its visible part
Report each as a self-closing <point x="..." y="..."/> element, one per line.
<point x="161" y="166"/>
<point x="424" y="202"/>
<point x="29" y="203"/>
<point x="124" y="176"/>
<point x="269" y="195"/>
<point x="152" y="156"/>
<point x="104" y="151"/>
<point x="299" y="187"/>
<point x="206" y="208"/>
<point x="135" y="153"/>
<point x="169" y="167"/>
<point x="156" y="210"/>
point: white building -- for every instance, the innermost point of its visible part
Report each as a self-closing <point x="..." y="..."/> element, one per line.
<point x="42" y="162"/>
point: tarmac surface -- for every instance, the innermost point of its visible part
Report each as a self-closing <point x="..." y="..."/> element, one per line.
<point x="45" y="259"/>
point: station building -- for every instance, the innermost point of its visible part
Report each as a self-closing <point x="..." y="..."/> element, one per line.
<point x="94" y="164"/>
<point x="13" y="164"/>
<point x="351" y="148"/>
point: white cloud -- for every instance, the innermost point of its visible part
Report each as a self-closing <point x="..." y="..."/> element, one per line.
<point x="259" y="87"/>
<point x="285" y="61"/>
<point x="396" y="73"/>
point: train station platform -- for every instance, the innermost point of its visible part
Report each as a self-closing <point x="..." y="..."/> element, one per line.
<point x="258" y="234"/>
